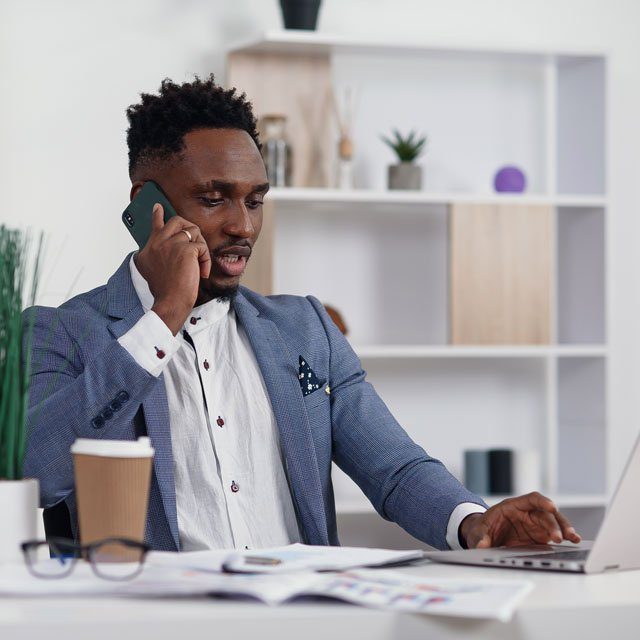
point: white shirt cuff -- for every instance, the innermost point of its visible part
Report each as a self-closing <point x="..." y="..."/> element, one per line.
<point x="455" y="520"/>
<point x="150" y="343"/>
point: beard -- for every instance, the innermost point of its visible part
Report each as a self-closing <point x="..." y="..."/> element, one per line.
<point x="209" y="291"/>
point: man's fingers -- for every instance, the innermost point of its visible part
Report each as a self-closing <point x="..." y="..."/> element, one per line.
<point x="484" y="542"/>
<point x="568" y="532"/>
<point x="174" y="226"/>
<point x="535" y="500"/>
<point x="549" y="524"/>
<point x="559" y="526"/>
<point x="157" y="217"/>
<point x="204" y="258"/>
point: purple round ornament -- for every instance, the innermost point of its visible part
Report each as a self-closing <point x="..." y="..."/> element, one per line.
<point x="509" y="179"/>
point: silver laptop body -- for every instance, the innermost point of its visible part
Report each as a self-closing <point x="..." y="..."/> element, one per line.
<point x="616" y="547"/>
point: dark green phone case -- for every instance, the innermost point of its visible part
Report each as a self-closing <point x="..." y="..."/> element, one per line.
<point x="137" y="216"/>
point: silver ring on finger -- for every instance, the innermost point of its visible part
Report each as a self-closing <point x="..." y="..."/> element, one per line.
<point x="187" y="234"/>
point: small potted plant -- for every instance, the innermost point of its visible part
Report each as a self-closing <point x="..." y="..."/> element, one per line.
<point x="19" y="497"/>
<point x="405" y="174"/>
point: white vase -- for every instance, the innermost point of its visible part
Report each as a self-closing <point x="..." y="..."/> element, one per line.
<point x="19" y="515"/>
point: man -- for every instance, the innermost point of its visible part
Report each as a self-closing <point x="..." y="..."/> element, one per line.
<point x="247" y="399"/>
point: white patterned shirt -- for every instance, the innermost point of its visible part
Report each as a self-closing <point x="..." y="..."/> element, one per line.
<point x="231" y="486"/>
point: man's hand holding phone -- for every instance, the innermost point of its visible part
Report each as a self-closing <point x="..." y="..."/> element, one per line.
<point x="172" y="262"/>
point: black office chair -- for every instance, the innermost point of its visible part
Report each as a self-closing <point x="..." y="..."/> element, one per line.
<point x="57" y="522"/>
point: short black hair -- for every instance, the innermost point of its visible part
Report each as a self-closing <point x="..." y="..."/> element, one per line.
<point x="158" y="124"/>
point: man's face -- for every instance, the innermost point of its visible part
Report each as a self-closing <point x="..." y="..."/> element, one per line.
<point x="218" y="182"/>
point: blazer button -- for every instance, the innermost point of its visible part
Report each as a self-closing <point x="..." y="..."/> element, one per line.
<point x="107" y="413"/>
<point x="115" y="405"/>
<point x="98" y="422"/>
<point x="123" y="396"/>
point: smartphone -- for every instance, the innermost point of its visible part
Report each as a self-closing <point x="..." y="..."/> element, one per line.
<point x="137" y="216"/>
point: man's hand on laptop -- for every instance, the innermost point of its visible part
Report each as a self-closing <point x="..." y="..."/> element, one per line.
<point x="529" y="519"/>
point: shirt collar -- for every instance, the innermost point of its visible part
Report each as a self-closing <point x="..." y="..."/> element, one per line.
<point x="200" y="317"/>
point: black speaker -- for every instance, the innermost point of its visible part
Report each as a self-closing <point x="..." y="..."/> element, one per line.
<point x="500" y="471"/>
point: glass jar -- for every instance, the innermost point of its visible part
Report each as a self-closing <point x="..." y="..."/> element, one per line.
<point x="276" y="150"/>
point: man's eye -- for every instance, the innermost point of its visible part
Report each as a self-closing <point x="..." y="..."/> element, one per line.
<point x="211" y="202"/>
<point x="254" y="204"/>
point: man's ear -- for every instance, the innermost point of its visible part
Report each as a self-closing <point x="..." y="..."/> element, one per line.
<point x="135" y="187"/>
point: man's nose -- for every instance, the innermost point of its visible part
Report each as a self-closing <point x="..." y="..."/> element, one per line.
<point x="239" y="222"/>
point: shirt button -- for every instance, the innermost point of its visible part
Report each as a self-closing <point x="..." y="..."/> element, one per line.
<point x="193" y="320"/>
<point x="220" y="422"/>
<point x="234" y="487"/>
<point x="206" y="365"/>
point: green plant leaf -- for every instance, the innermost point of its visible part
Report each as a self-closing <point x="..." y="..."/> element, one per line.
<point x="407" y="148"/>
<point x="15" y="346"/>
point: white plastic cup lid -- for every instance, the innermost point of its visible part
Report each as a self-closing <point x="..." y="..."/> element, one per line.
<point x="140" y="448"/>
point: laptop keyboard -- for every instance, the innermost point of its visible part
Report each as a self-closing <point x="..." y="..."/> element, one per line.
<point x="559" y="555"/>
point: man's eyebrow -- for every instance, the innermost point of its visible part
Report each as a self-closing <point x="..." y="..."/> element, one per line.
<point x="215" y="185"/>
<point x="222" y="185"/>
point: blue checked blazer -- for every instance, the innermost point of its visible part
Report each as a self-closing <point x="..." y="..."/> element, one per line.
<point x="84" y="384"/>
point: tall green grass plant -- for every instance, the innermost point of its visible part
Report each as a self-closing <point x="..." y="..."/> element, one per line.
<point x="19" y="274"/>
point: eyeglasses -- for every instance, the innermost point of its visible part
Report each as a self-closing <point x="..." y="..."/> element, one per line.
<point x="110" y="559"/>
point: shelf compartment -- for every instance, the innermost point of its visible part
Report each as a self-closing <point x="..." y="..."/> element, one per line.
<point x="581" y="426"/>
<point x="480" y="113"/>
<point x="387" y="276"/>
<point x="580" y="263"/>
<point x="448" y="405"/>
<point x="581" y="105"/>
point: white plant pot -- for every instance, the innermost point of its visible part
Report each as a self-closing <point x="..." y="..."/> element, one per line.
<point x="19" y="512"/>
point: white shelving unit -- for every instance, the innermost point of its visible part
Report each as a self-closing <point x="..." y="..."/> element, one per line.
<point x="310" y="197"/>
<point x="382" y="257"/>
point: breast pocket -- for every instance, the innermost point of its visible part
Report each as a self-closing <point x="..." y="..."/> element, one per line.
<point x="317" y="398"/>
<point x="318" y="406"/>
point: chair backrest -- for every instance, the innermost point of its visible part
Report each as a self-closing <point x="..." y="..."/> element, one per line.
<point x="57" y="522"/>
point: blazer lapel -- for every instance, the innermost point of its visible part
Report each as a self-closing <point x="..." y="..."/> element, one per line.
<point x="124" y="304"/>
<point x="280" y="376"/>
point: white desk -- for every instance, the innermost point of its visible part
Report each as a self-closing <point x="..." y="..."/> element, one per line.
<point x="561" y="606"/>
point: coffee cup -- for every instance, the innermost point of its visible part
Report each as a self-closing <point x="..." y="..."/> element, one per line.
<point x="112" y="479"/>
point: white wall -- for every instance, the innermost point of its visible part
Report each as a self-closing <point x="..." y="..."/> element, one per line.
<point x="68" y="69"/>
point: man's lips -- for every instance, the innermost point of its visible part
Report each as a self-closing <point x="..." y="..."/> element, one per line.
<point x="232" y="261"/>
<point x="236" y="250"/>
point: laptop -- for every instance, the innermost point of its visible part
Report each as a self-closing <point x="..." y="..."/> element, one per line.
<point x="615" y="548"/>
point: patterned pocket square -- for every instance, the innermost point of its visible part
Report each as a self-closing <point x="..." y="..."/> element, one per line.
<point x="308" y="380"/>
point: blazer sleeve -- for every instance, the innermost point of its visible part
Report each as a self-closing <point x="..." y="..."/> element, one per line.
<point x="72" y="395"/>
<point x="401" y="480"/>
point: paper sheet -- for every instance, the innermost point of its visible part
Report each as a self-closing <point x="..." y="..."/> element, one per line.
<point x="385" y="589"/>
